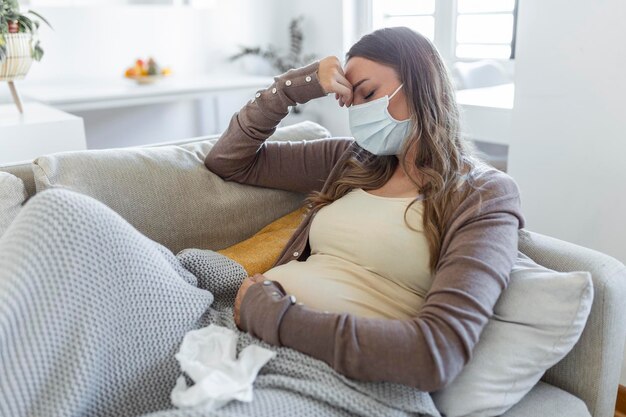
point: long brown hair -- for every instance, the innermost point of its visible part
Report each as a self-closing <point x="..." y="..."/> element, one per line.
<point x="444" y="159"/>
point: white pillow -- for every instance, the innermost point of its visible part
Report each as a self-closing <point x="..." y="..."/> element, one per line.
<point x="12" y="195"/>
<point x="537" y="320"/>
<point x="306" y="130"/>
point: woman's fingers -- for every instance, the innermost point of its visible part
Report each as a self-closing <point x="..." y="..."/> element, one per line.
<point x="343" y="88"/>
<point x="339" y="99"/>
<point x="344" y="92"/>
<point x="341" y="79"/>
<point x="333" y="80"/>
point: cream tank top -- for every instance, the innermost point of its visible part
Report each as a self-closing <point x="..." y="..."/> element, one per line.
<point x="364" y="259"/>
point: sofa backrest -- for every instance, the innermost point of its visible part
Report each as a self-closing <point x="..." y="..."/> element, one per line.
<point x="591" y="370"/>
<point x="166" y="192"/>
<point x="24" y="170"/>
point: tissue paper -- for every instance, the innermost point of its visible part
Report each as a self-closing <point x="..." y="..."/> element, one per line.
<point x="208" y="357"/>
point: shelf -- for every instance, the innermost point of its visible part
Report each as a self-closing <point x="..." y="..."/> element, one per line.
<point x="495" y="97"/>
<point x="486" y="113"/>
<point x="101" y="93"/>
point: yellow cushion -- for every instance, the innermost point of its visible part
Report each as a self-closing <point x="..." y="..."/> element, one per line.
<point x="258" y="253"/>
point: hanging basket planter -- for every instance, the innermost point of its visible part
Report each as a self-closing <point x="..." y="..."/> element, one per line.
<point x="19" y="44"/>
<point x="18" y="58"/>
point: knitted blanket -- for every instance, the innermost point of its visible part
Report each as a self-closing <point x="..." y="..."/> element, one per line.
<point x="92" y="313"/>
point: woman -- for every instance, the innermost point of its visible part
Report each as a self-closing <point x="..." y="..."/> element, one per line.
<point x="382" y="297"/>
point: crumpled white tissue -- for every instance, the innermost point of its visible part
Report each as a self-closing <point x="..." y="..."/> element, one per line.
<point x="208" y="357"/>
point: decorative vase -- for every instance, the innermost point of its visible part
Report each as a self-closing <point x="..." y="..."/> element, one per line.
<point x="19" y="58"/>
<point x="17" y="62"/>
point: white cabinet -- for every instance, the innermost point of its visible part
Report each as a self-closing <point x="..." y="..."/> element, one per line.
<point x="39" y="130"/>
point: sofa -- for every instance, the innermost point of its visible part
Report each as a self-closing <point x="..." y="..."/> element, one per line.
<point x="583" y="383"/>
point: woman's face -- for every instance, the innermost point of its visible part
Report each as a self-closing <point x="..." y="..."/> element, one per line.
<point x="371" y="80"/>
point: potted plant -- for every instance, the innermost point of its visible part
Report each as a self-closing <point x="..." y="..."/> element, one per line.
<point x="19" y="44"/>
<point x="282" y="63"/>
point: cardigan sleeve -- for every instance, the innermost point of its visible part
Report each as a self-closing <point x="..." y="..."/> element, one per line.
<point x="243" y="155"/>
<point x="427" y="351"/>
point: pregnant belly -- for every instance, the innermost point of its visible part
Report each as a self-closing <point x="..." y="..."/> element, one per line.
<point x="329" y="283"/>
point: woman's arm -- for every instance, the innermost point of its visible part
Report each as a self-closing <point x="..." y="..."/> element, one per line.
<point x="427" y="351"/>
<point x="241" y="154"/>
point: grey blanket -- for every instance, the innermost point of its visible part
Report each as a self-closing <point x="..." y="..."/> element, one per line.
<point x="92" y="313"/>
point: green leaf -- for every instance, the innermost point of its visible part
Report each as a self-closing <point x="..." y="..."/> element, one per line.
<point x="26" y="23"/>
<point x="12" y="4"/>
<point x="37" y="52"/>
<point x="41" y="17"/>
<point x="283" y="63"/>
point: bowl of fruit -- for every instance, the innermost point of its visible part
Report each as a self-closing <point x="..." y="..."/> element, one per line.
<point x="147" y="72"/>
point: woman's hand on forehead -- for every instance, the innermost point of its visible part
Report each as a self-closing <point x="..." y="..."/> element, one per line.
<point x="333" y="80"/>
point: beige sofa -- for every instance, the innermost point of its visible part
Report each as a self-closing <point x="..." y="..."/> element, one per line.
<point x="158" y="199"/>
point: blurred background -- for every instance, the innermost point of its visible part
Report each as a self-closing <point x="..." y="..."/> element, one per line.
<point x="95" y="41"/>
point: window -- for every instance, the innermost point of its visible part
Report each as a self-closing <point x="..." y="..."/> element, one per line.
<point x="485" y="29"/>
<point x="415" y="14"/>
<point x="461" y="29"/>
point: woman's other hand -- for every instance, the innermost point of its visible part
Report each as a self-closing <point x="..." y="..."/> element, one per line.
<point x="242" y="292"/>
<point x="332" y="79"/>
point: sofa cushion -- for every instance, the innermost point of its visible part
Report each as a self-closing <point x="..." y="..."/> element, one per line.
<point x="537" y="320"/>
<point x="258" y="253"/>
<point x="12" y="195"/>
<point x="24" y="172"/>
<point x="548" y="401"/>
<point x="169" y="195"/>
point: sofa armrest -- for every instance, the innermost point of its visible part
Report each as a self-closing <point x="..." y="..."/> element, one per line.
<point x="591" y="371"/>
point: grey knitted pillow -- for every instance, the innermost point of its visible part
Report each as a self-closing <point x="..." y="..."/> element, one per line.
<point x="12" y="195"/>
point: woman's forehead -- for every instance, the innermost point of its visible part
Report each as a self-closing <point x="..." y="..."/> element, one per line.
<point x="358" y="68"/>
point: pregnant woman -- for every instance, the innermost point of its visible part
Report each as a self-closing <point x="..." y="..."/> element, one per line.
<point x="392" y="275"/>
<point x="409" y="238"/>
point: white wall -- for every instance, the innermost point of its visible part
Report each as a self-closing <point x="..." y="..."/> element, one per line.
<point x="190" y="41"/>
<point x="324" y="35"/>
<point x="568" y="148"/>
<point x="100" y="42"/>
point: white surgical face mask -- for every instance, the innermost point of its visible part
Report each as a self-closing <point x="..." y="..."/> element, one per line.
<point x="374" y="129"/>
